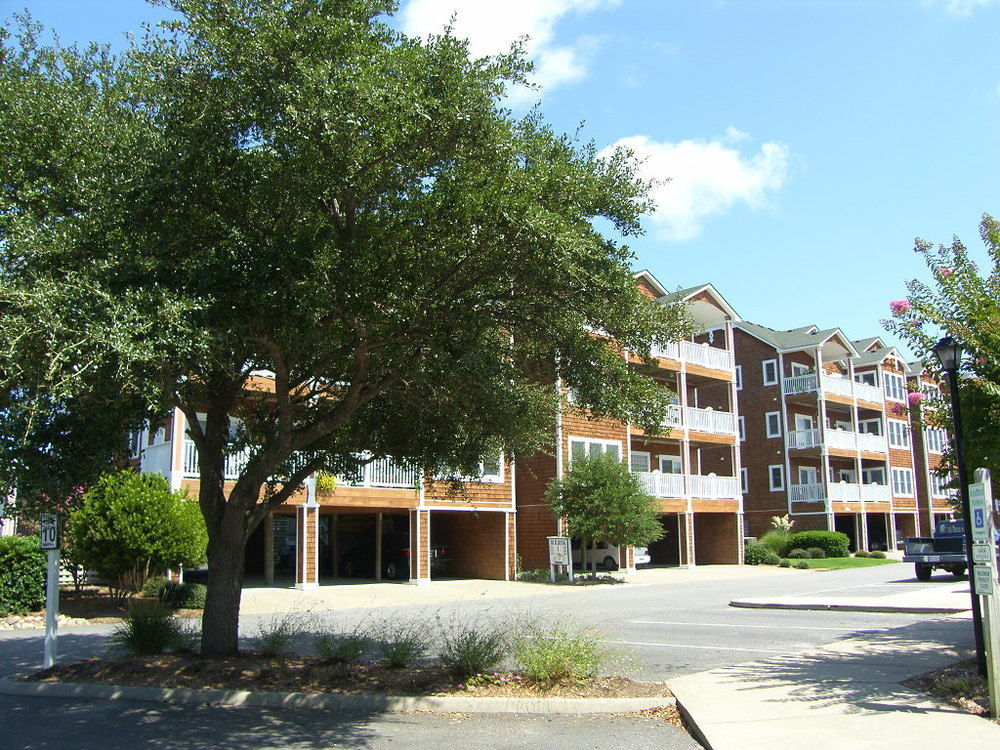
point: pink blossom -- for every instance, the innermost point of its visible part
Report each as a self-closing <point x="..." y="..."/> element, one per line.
<point x="899" y="306"/>
<point x="915" y="398"/>
<point x="945" y="273"/>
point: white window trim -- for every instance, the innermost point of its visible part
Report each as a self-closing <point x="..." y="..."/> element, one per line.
<point x="741" y="427"/>
<point x="781" y="474"/>
<point x="676" y="460"/>
<point x="874" y="468"/>
<point x="799" y="369"/>
<point x="812" y="471"/>
<point x="649" y="460"/>
<point x="891" y="377"/>
<point x="763" y="370"/>
<point x="592" y="441"/>
<point x="767" y="424"/>
<point x="876" y="420"/>
<point x="902" y="472"/>
<point x="745" y="480"/>
<point x="739" y="377"/>
<point x="902" y="431"/>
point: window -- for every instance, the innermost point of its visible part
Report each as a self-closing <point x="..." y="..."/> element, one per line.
<point x="670" y="464"/>
<point x="580" y="447"/>
<point x="899" y="434"/>
<point x="876" y="475"/>
<point x="640" y="461"/>
<point x="776" y="474"/>
<point x="842" y="475"/>
<point x="742" y="426"/>
<point x="491" y="468"/>
<point x="770" y="368"/>
<point x="870" y="426"/>
<point x="895" y="389"/>
<point x="902" y="482"/>
<point x="744" y="480"/>
<point x="866" y="377"/>
<point x="935" y="439"/>
<point x="772" y="424"/>
<point x="800" y="369"/>
<point x="739" y="377"/>
<point x="939" y="485"/>
<point x="808" y="475"/>
<point x="804" y="422"/>
<point x="135" y="442"/>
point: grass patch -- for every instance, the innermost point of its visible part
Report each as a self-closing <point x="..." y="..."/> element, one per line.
<point x="840" y="563"/>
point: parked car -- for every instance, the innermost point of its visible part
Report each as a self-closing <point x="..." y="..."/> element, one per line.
<point x="945" y="550"/>
<point x="606" y="556"/>
<point x="642" y="556"/>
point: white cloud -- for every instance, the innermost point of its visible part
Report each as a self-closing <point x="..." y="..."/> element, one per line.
<point x="696" y="179"/>
<point x="964" y="7"/>
<point x="492" y="26"/>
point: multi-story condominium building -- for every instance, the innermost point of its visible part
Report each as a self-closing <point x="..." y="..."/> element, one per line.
<point x="826" y="434"/>
<point x="691" y="466"/>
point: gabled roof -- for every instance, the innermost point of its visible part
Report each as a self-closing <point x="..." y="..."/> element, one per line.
<point x="694" y="291"/>
<point x="651" y="280"/>
<point x="914" y="369"/>
<point x="802" y="338"/>
<point x="877" y="356"/>
<point x="869" y="344"/>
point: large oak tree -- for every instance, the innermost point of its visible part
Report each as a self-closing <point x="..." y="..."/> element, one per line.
<point x="291" y="186"/>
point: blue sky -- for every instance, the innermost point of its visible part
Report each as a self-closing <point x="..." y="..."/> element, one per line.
<point x="807" y="143"/>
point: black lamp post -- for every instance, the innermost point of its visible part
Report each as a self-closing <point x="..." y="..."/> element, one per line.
<point x="949" y="354"/>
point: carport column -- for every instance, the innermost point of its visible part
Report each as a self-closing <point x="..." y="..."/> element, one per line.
<point x="269" y="549"/>
<point x="510" y="546"/>
<point x="890" y="531"/>
<point x="378" y="546"/>
<point x="420" y="547"/>
<point x="861" y="526"/>
<point x="687" y="556"/>
<point x="306" y="549"/>
<point x="739" y="538"/>
<point x="626" y="559"/>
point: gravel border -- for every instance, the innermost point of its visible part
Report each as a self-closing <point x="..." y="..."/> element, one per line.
<point x="331" y="701"/>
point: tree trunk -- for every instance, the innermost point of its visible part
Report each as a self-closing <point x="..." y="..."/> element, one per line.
<point x="220" y="622"/>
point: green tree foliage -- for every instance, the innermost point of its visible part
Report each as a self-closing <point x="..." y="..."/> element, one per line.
<point x="602" y="501"/>
<point x="132" y="525"/>
<point x="292" y="186"/>
<point x="22" y="575"/>
<point x="964" y="302"/>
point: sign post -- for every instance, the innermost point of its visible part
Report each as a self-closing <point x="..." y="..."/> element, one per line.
<point x="560" y="555"/>
<point x="49" y="532"/>
<point x="983" y="578"/>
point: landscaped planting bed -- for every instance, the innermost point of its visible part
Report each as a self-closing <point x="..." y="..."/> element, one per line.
<point x="958" y="684"/>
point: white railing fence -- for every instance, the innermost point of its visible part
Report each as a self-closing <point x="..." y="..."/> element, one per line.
<point x="829" y="384"/>
<point x="658" y="484"/>
<point x="383" y="472"/>
<point x="710" y="487"/>
<point x="705" y="355"/>
<point x="799" y="384"/>
<point x="804" y="438"/>
<point x="806" y="492"/>
<point x="236" y="462"/>
<point x="714" y="487"/>
<point x="709" y="420"/>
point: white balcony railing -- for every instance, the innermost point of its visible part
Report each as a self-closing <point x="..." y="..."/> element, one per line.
<point x="710" y="420"/>
<point x="839" y="491"/>
<point x="798" y="493"/>
<point x="876" y="492"/>
<point x="829" y="384"/>
<point x="709" y="487"/>
<point x="842" y="439"/>
<point x="383" y="472"/>
<point x="674" y="418"/>
<point x="834" y="438"/>
<point x="696" y="354"/>
<point x="871" y="443"/>
<point x="235" y="462"/>
<point x="805" y="438"/>
<point x="157" y="459"/>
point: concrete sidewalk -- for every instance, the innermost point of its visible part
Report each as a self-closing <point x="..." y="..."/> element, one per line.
<point x="846" y="695"/>
<point x="258" y="600"/>
<point x="914" y="599"/>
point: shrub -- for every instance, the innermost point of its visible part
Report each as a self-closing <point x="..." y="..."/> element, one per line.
<point x="558" y="653"/>
<point x="771" y="559"/>
<point x="401" y="644"/>
<point x="131" y="525"/>
<point x="862" y="553"/>
<point x="802" y="565"/>
<point x="341" y="649"/>
<point x="775" y="540"/>
<point x="22" y="575"/>
<point x="878" y="554"/>
<point x="148" y="628"/>
<point x="798" y="554"/>
<point x="467" y="650"/>
<point x="154" y="586"/>
<point x="756" y="554"/>
<point x="833" y="543"/>
<point x="276" y="634"/>
<point x="785" y="564"/>
<point x="194" y="596"/>
<point x="816" y="553"/>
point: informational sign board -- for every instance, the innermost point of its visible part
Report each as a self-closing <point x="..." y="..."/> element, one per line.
<point x="982" y="580"/>
<point x="979" y="508"/>
<point x="49" y="531"/>
<point x="559" y="550"/>
<point x="981" y="552"/>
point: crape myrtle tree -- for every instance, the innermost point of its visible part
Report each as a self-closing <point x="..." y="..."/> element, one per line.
<point x="602" y="500"/>
<point x="294" y="188"/>
<point x="961" y="301"/>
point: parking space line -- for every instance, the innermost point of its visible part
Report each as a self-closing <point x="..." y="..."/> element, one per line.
<point x="763" y="627"/>
<point x="703" y="648"/>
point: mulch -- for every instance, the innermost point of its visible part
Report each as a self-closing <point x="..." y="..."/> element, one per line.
<point x="958" y="684"/>
<point x="251" y="671"/>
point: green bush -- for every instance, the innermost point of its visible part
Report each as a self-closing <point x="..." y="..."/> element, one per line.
<point x="878" y="555"/>
<point x="341" y="649"/>
<point x="802" y="565"/>
<point x="276" y="634"/>
<point x="776" y="540"/>
<point x="194" y="596"/>
<point x="176" y="594"/>
<point x="756" y="554"/>
<point x="816" y="553"/>
<point x="771" y="559"/>
<point x="862" y="553"/>
<point x="833" y="543"/>
<point x="798" y="554"/>
<point x="558" y="654"/>
<point x="467" y="650"/>
<point x="401" y="644"/>
<point x="132" y="525"/>
<point x="148" y="628"/>
<point x="22" y="575"/>
<point x="785" y="564"/>
<point x="154" y="586"/>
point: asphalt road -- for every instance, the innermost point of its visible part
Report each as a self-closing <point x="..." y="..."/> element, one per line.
<point x="661" y="631"/>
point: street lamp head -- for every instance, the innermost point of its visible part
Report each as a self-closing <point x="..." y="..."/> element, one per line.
<point x="949" y="354"/>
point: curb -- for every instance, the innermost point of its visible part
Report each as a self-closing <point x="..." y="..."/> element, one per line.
<point x="331" y="701"/>
<point x="885" y="608"/>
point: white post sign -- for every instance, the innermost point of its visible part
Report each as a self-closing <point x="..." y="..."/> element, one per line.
<point x="984" y="579"/>
<point x="560" y="555"/>
<point x="49" y="533"/>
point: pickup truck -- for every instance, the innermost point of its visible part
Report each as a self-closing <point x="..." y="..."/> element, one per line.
<point x="945" y="550"/>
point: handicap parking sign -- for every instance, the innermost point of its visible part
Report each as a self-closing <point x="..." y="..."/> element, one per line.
<point x="980" y="515"/>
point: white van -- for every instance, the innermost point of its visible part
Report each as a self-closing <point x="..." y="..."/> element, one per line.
<point x="605" y="556"/>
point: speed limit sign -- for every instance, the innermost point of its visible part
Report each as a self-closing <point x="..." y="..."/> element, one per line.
<point x="49" y="531"/>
